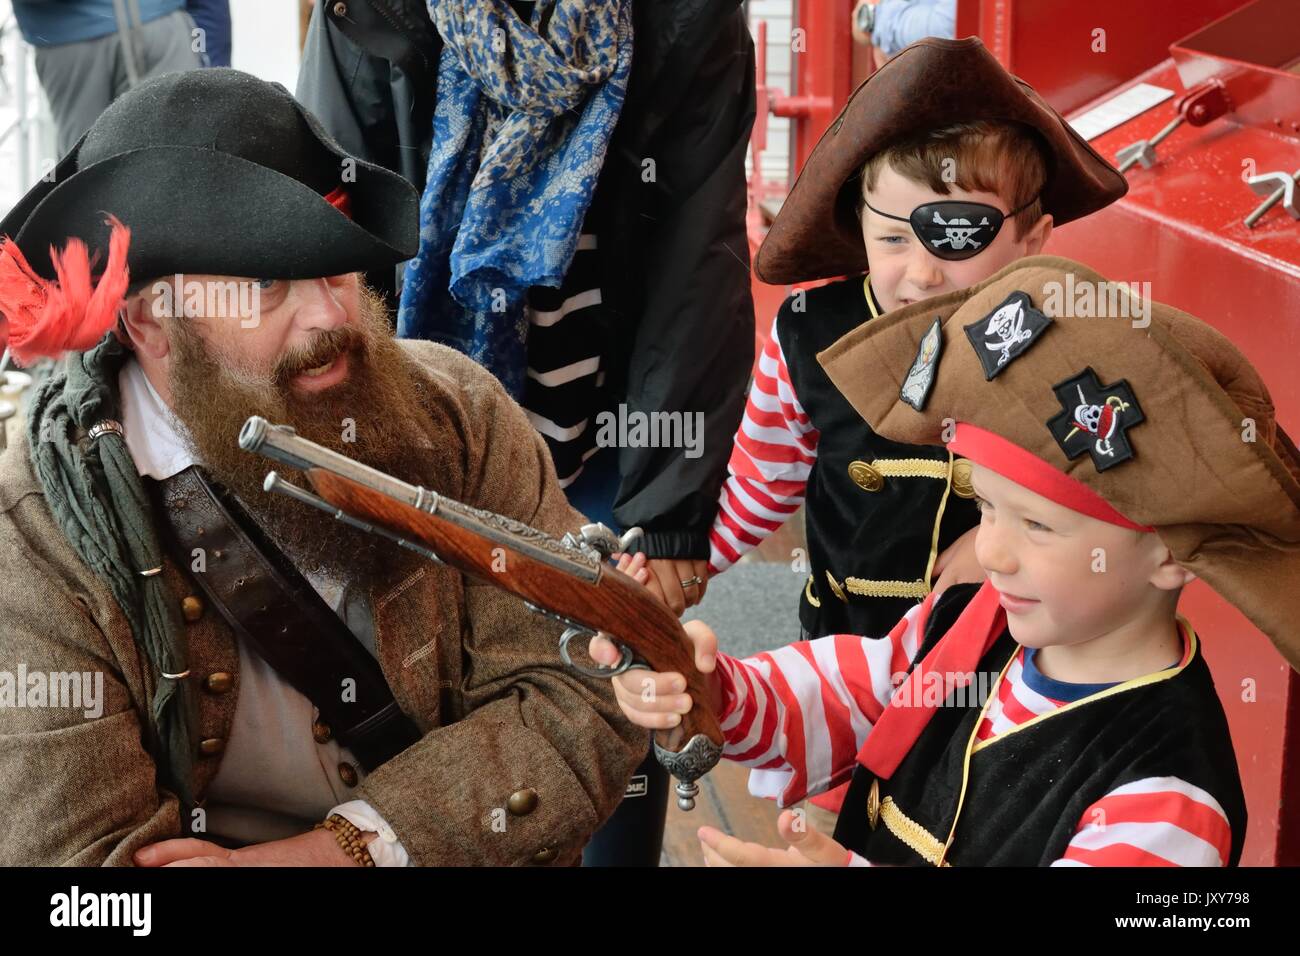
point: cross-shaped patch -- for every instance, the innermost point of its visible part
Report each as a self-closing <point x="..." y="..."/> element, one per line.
<point x="1094" y="419"/>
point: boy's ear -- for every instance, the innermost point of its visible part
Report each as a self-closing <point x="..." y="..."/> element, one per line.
<point x="1170" y="575"/>
<point x="1038" y="235"/>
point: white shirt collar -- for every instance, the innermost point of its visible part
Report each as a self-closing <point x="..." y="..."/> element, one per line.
<point x="155" y="437"/>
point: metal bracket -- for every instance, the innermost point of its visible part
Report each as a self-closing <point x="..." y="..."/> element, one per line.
<point x="1276" y="186"/>
<point x="1198" y="106"/>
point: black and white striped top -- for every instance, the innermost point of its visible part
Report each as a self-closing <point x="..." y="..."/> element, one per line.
<point x="566" y="354"/>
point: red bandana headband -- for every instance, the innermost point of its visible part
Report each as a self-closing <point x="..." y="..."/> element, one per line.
<point x="1028" y="470"/>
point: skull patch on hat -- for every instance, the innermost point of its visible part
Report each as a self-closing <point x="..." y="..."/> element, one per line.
<point x="920" y="377"/>
<point x="1095" y="418"/>
<point x="1006" y="332"/>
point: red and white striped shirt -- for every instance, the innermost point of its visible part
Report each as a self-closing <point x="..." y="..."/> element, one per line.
<point x="800" y="714"/>
<point x="774" y="450"/>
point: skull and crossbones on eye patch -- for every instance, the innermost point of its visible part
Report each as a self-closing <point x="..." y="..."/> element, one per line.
<point x="948" y="227"/>
<point x="958" y="232"/>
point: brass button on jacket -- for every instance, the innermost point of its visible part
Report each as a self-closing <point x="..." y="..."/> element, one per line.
<point x="219" y="682"/>
<point x="545" y="856"/>
<point x="961" y="485"/>
<point x="321" y="733"/>
<point x="212" y="746"/>
<point x="522" y="802"/>
<point x="348" y="774"/>
<point x="865" y="476"/>
<point x="191" y="608"/>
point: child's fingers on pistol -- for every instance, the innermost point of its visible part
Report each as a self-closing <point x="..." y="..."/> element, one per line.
<point x="654" y="712"/>
<point x="602" y="651"/>
<point x="651" y="582"/>
<point x="653" y="693"/>
<point x="630" y="564"/>
<point x="705" y="643"/>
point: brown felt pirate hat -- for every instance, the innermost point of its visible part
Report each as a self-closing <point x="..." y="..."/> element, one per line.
<point x="1163" y="426"/>
<point x="931" y="84"/>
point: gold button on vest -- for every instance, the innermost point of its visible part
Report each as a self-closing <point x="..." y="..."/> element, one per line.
<point x="961" y="485"/>
<point x="865" y="476"/>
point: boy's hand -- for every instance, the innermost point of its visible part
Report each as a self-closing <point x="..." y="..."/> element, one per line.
<point x="649" y="699"/>
<point x="806" y="846"/>
<point x="671" y="572"/>
<point x="957" y="564"/>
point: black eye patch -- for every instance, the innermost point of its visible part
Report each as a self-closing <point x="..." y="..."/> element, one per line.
<point x="953" y="229"/>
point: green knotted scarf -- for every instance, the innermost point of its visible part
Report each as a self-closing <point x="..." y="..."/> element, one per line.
<point x="97" y="497"/>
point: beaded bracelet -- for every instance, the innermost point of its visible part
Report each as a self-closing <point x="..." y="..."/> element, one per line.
<point x="349" y="838"/>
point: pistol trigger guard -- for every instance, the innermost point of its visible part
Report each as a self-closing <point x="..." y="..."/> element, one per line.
<point x="627" y="660"/>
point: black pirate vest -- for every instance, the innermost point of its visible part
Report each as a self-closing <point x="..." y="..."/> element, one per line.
<point x="878" y="512"/>
<point x="1020" y="801"/>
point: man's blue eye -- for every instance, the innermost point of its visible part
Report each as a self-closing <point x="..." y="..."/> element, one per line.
<point x="265" y="284"/>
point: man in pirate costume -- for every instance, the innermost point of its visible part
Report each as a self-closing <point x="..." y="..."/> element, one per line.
<point x="263" y="668"/>
<point x="1061" y="713"/>
<point x="940" y="170"/>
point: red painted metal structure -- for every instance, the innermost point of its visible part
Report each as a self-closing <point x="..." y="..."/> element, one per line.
<point x="1181" y="229"/>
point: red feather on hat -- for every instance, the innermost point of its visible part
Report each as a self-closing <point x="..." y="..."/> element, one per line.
<point x="48" y="318"/>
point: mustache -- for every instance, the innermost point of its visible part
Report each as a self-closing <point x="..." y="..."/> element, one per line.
<point x="323" y="349"/>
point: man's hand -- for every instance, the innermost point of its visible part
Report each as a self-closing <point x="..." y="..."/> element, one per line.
<point x="671" y="572"/>
<point x="805" y="846"/>
<point x="957" y="563"/>
<point x="314" y="848"/>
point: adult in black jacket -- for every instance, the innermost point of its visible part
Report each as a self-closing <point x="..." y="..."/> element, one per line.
<point x="673" y="253"/>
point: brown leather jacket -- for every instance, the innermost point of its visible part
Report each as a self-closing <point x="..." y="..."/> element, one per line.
<point x="84" y="791"/>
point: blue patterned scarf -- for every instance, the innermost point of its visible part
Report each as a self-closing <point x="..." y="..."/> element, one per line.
<point x="522" y="121"/>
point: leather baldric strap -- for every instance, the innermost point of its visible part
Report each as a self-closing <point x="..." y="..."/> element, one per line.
<point x="271" y="606"/>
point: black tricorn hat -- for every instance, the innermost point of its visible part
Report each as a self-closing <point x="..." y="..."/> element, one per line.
<point x="217" y="172"/>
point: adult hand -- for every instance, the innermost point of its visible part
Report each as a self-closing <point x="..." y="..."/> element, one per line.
<point x="671" y="572"/>
<point x="314" y="848"/>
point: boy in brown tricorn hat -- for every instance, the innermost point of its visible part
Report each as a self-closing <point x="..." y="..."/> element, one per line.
<point x="1061" y="713"/>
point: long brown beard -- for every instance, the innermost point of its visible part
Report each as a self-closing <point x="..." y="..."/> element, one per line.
<point x="374" y="416"/>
